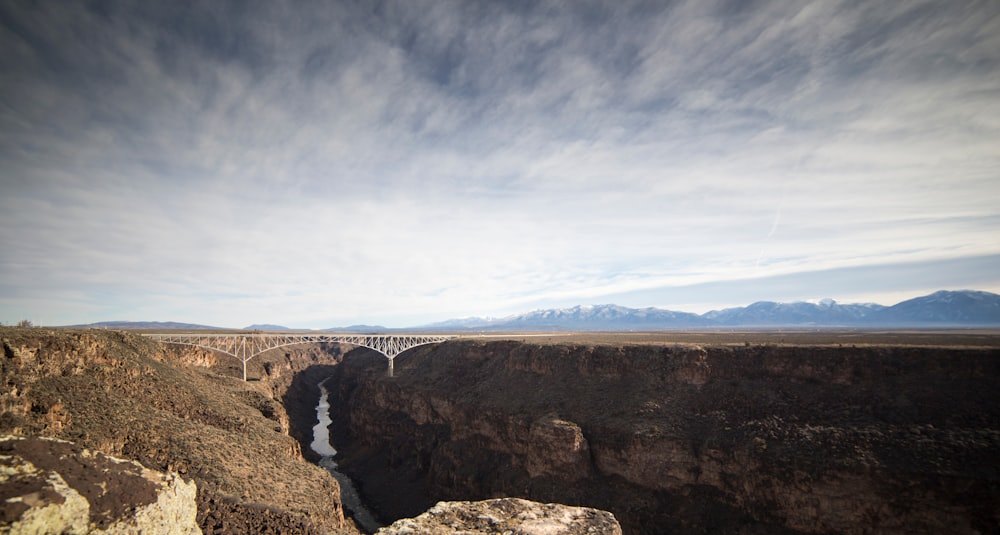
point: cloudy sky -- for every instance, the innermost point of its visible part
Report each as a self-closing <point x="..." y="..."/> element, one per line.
<point x="333" y="163"/>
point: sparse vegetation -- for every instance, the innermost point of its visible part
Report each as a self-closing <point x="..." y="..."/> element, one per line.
<point x="123" y="395"/>
<point x="709" y="432"/>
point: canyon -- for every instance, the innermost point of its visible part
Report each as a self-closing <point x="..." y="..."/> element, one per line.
<point x="107" y="432"/>
<point x="683" y="438"/>
<point x="182" y="412"/>
<point x="702" y="433"/>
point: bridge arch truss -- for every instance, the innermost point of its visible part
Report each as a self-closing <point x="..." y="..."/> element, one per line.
<point x="244" y="347"/>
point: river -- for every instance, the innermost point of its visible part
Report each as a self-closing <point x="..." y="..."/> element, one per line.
<point x="322" y="446"/>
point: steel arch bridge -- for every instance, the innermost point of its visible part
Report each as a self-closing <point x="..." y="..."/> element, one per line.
<point x="246" y="346"/>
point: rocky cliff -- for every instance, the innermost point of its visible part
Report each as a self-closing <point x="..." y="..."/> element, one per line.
<point x="684" y="439"/>
<point x="185" y="412"/>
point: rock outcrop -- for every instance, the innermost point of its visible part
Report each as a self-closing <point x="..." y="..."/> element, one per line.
<point x="54" y="486"/>
<point x="511" y="516"/>
<point x="685" y="439"/>
<point x="131" y="398"/>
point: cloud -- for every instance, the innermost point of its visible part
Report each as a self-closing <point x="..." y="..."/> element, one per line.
<point x="885" y="284"/>
<point x="351" y="162"/>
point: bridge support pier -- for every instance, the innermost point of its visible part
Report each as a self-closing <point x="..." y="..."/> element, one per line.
<point x="390" y="367"/>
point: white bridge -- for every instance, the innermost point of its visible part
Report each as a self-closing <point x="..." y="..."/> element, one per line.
<point x="244" y="347"/>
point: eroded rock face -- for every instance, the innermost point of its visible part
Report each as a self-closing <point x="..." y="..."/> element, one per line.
<point x="685" y="439"/>
<point x="509" y="516"/>
<point x="557" y="447"/>
<point x="129" y="397"/>
<point x="54" y="486"/>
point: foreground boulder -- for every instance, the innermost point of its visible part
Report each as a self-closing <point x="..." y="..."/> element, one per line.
<point x="54" y="486"/>
<point x="506" y="515"/>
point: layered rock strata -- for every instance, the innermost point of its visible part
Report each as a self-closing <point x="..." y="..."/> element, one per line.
<point x="684" y="439"/>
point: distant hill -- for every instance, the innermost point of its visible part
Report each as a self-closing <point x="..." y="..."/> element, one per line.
<point x="148" y="325"/>
<point x="964" y="308"/>
<point x="360" y="329"/>
<point x="266" y="327"/>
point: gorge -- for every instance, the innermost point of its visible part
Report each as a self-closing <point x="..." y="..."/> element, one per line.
<point x="322" y="446"/>
<point x="697" y="433"/>
<point x="685" y="438"/>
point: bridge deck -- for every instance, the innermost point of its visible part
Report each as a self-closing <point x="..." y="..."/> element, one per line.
<point x="246" y="346"/>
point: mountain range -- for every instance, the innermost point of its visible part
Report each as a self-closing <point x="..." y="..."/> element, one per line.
<point x="964" y="308"/>
<point x="147" y="326"/>
<point x="946" y="309"/>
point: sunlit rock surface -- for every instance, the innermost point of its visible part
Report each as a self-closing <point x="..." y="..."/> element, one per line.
<point x="506" y="515"/>
<point x="54" y="486"/>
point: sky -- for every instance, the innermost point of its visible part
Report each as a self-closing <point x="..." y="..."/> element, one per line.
<point x="321" y="164"/>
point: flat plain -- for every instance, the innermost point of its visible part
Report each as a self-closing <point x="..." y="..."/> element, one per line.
<point x="989" y="338"/>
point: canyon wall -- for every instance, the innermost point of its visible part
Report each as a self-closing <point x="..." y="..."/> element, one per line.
<point x="683" y="439"/>
<point x="182" y="411"/>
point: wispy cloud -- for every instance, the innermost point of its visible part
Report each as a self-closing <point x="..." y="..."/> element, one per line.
<point x="402" y="161"/>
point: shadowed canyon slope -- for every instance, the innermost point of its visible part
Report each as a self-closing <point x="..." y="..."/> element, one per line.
<point x="233" y="454"/>
<point x="185" y="412"/>
<point x="690" y="438"/>
<point x="684" y="439"/>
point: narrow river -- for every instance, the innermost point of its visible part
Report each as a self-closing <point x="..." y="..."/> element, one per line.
<point x="321" y="445"/>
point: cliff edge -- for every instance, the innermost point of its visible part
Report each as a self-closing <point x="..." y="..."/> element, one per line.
<point x="684" y="438"/>
<point x="181" y="412"/>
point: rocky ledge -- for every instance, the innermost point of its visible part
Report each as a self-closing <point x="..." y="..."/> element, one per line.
<point x="185" y="412"/>
<point x="509" y="516"/>
<point x="55" y="486"/>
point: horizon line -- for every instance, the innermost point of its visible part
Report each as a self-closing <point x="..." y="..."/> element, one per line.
<point x="493" y="318"/>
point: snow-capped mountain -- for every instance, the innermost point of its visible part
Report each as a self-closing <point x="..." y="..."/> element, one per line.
<point x="827" y="312"/>
<point x="965" y="308"/>
<point x="601" y="317"/>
